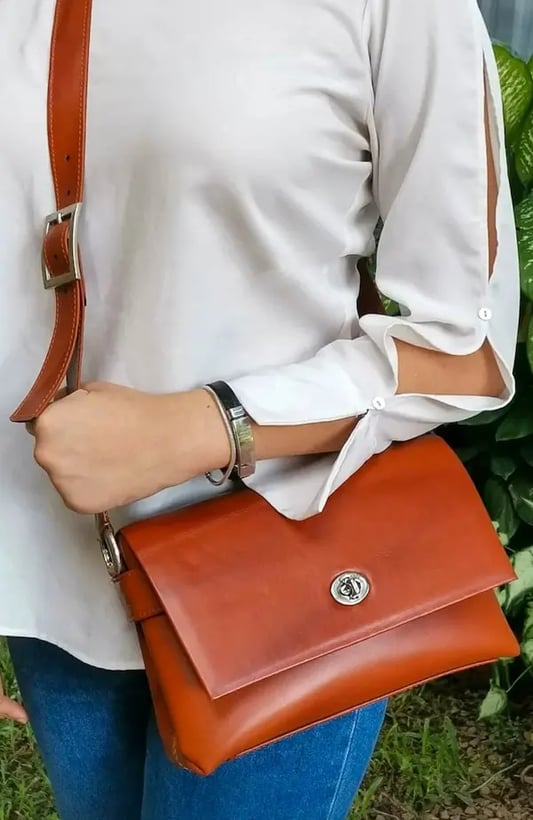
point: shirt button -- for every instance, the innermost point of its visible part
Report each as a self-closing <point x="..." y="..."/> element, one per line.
<point x="378" y="403"/>
<point x="485" y="314"/>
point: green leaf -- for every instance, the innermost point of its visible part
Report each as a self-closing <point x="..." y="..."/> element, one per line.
<point x="517" y="591"/>
<point x="517" y="87"/>
<point x="521" y="490"/>
<point x="484" y="418"/>
<point x="524" y="151"/>
<point x="494" y="704"/>
<point x="525" y="255"/>
<point x="527" y="651"/>
<point x="470" y="451"/>
<point x="504" y="538"/>
<point x="530" y="65"/>
<point x="390" y="307"/>
<point x="524" y="214"/>
<point x="529" y="344"/>
<point x="525" y="320"/>
<point x="500" y="507"/>
<point x="526" y="451"/>
<point x="527" y="636"/>
<point x="527" y="631"/>
<point x="502" y="465"/>
<point x="518" y="423"/>
<point x="501" y="594"/>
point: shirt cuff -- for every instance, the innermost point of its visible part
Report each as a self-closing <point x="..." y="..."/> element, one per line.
<point x="343" y="380"/>
<point x="347" y="378"/>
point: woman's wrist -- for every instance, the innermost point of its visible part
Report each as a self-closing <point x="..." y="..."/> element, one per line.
<point x="197" y="440"/>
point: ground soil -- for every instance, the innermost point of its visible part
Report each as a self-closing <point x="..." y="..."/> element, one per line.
<point x="502" y="754"/>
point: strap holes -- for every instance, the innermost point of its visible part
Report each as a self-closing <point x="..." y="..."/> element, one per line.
<point x="67" y="157"/>
<point x="68" y="192"/>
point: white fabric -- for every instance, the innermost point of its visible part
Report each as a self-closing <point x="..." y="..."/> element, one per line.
<point x="238" y="157"/>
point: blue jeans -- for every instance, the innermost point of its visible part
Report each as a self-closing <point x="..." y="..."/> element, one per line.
<point x="98" y="739"/>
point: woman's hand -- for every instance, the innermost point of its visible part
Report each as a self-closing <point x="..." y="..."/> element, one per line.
<point x="10" y="709"/>
<point x="105" y="445"/>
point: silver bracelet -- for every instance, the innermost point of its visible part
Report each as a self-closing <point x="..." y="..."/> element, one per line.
<point x="239" y="427"/>
<point x="225" y="474"/>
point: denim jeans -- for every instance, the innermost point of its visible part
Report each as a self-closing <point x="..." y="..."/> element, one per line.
<point x="98" y="739"/>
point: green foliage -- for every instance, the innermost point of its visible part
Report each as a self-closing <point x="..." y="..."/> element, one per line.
<point x="497" y="448"/>
<point x="495" y="703"/>
<point x="24" y="790"/>
<point x="434" y="756"/>
<point x="517" y="90"/>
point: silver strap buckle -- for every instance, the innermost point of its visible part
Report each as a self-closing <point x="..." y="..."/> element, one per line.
<point x="72" y="213"/>
<point x="110" y="549"/>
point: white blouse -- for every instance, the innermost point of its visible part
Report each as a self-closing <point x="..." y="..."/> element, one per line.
<point x="238" y="157"/>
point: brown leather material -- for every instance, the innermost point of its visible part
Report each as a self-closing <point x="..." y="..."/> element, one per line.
<point x="66" y="335"/>
<point x="200" y="733"/>
<point x="139" y="597"/>
<point x="252" y="647"/>
<point x="67" y="104"/>
<point x="242" y="640"/>
<point x="216" y="584"/>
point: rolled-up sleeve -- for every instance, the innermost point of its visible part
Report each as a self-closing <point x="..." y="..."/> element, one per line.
<point x="428" y="68"/>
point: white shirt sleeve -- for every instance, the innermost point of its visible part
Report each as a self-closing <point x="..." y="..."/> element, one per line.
<point x="427" y="136"/>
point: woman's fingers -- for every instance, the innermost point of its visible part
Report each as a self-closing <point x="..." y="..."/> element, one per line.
<point x="11" y="710"/>
<point x="59" y="395"/>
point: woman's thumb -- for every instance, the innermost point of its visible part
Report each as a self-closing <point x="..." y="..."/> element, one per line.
<point x="10" y="709"/>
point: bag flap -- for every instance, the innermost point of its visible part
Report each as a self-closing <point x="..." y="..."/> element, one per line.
<point x="248" y="591"/>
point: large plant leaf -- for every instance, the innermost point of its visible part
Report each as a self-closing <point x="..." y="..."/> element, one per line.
<point x="500" y="506"/>
<point x="524" y="214"/>
<point x="527" y="636"/>
<point x="517" y="88"/>
<point x="470" y="451"/>
<point x="390" y="307"/>
<point x="526" y="451"/>
<point x="521" y="490"/>
<point x="502" y="465"/>
<point x="529" y="345"/>
<point x="527" y="652"/>
<point x="525" y="254"/>
<point x="518" y="423"/>
<point x="494" y="704"/>
<point x="517" y="591"/>
<point x="504" y="542"/>
<point x="525" y="319"/>
<point x="484" y="418"/>
<point x="524" y="151"/>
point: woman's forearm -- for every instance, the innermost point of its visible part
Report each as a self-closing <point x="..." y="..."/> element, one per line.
<point x="419" y="371"/>
<point x="105" y="445"/>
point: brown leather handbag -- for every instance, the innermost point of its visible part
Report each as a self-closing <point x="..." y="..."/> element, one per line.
<point x="253" y="626"/>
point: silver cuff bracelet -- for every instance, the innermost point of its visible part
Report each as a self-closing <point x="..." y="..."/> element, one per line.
<point x="239" y="427"/>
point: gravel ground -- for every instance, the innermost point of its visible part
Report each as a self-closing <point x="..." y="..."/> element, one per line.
<point x="499" y="758"/>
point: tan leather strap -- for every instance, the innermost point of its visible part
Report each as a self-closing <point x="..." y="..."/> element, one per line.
<point x="61" y="262"/>
<point x="67" y="102"/>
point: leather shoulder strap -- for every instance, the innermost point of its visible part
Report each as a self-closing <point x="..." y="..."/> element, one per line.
<point x="61" y="264"/>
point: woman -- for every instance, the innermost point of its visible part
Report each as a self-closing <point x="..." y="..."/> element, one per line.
<point x="238" y="160"/>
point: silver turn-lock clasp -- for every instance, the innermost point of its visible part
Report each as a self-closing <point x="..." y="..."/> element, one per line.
<point x="350" y="588"/>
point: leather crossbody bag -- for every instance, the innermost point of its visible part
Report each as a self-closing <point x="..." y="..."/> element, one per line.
<point x="253" y="626"/>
